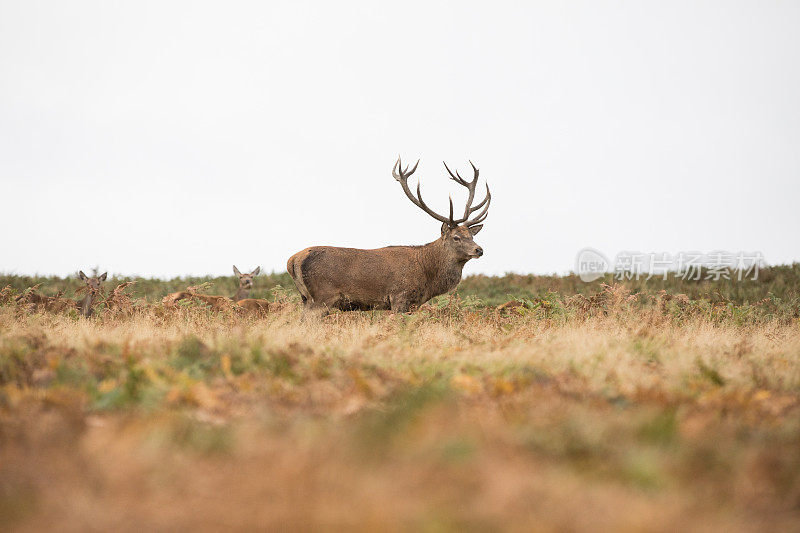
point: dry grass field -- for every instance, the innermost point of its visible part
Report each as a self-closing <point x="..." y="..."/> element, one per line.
<point x="600" y="407"/>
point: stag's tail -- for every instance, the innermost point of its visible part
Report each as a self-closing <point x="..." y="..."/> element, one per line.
<point x="293" y="266"/>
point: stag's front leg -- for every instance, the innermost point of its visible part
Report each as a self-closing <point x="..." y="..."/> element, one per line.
<point x="400" y="303"/>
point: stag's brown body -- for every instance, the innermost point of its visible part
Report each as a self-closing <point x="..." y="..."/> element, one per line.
<point x="395" y="277"/>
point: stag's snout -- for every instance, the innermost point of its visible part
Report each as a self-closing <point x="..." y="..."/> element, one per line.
<point x="478" y="252"/>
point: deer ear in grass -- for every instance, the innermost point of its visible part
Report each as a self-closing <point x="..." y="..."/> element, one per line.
<point x="236" y="271"/>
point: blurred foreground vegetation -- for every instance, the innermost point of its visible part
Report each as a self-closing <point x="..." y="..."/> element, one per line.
<point x="520" y="403"/>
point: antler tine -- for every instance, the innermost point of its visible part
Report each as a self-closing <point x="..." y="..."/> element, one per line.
<point x="421" y="204"/>
<point x="470" y="185"/>
<point x="457" y="177"/>
<point x="474" y="170"/>
<point x="452" y="222"/>
<point x="403" y="172"/>
<point x="488" y="196"/>
<point x="478" y="220"/>
<point x="401" y="175"/>
<point x="484" y="212"/>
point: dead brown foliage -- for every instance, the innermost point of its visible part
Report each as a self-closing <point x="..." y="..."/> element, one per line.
<point x="31" y="301"/>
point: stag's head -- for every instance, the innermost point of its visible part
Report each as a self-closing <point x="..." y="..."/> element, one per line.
<point x="457" y="233"/>
<point x="93" y="282"/>
<point x="246" y="280"/>
<point x="459" y="241"/>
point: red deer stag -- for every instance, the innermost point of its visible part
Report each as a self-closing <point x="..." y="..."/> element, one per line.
<point x="395" y="277"/>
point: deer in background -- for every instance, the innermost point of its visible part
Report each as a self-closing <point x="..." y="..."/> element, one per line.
<point x="395" y="277"/>
<point x="33" y="301"/>
<point x="245" y="283"/>
<point x="258" y="306"/>
<point x="91" y="288"/>
<point x="218" y="303"/>
<point x="57" y="304"/>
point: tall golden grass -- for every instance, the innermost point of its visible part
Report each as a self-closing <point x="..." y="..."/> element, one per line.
<point x="589" y="412"/>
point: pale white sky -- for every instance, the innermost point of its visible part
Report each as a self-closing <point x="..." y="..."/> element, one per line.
<point x="173" y="138"/>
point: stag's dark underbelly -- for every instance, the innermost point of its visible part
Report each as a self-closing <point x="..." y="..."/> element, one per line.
<point x="344" y="303"/>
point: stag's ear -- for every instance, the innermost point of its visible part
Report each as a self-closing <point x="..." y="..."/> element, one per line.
<point x="256" y="271"/>
<point x="82" y="275"/>
<point x="475" y="229"/>
<point x="236" y="271"/>
<point x="445" y="229"/>
<point x="103" y="277"/>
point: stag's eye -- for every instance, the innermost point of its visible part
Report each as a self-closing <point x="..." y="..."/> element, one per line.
<point x="456" y="238"/>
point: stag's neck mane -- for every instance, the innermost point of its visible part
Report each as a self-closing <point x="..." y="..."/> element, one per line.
<point x="241" y="294"/>
<point x="442" y="268"/>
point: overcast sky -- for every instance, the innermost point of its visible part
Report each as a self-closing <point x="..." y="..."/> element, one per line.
<point x="174" y="138"/>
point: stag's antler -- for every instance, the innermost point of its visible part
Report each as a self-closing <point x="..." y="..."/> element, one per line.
<point x="470" y="185"/>
<point x="402" y="174"/>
